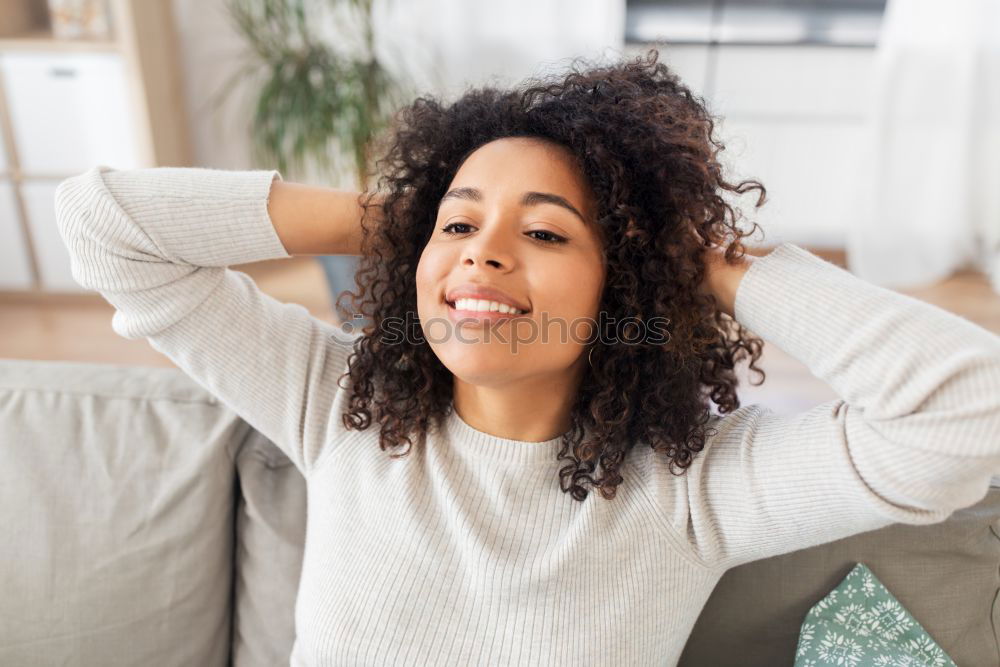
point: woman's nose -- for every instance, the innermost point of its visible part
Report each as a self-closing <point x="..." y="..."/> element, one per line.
<point x="491" y="247"/>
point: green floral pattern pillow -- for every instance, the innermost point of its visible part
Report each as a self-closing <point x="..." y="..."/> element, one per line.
<point x="861" y="624"/>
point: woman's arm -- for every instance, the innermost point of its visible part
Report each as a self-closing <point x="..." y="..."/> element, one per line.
<point x="313" y="220"/>
<point x="157" y="244"/>
<point x="914" y="436"/>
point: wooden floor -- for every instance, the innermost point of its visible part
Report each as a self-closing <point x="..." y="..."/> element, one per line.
<point x="78" y="328"/>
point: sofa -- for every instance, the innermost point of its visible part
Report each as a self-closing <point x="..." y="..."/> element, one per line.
<point x="147" y="524"/>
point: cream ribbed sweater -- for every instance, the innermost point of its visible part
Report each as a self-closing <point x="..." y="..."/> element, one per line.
<point x="467" y="552"/>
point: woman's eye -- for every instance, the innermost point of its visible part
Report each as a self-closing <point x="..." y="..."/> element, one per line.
<point x="452" y="224"/>
<point x="548" y="237"/>
<point x="553" y="238"/>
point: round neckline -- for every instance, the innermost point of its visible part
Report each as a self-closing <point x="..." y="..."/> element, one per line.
<point x="470" y="439"/>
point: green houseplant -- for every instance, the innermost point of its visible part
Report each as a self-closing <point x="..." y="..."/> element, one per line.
<point x="315" y="104"/>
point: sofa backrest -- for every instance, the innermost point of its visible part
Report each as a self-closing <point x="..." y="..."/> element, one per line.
<point x="117" y="501"/>
<point x="944" y="574"/>
<point x="270" y="536"/>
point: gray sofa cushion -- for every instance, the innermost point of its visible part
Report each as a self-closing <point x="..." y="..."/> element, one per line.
<point x="270" y="538"/>
<point x="116" y="498"/>
<point x="944" y="574"/>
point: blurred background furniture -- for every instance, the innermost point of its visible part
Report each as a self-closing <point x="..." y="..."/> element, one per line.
<point x="67" y="104"/>
<point x="789" y="80"/>
<point x="147" y="524"/>
<point x="790" y="84"/>
<point x="798" y="87"/>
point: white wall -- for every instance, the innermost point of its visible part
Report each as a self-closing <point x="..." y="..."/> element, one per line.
<point x="209" y="52"/>
<point x="442" y="45"/>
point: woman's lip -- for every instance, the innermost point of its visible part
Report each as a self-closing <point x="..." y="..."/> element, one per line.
<point x="475" y="317"/>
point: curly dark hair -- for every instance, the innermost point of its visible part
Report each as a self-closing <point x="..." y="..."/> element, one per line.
<point x="646" y="147"/>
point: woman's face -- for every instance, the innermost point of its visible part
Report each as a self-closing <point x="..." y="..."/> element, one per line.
<point x="537" y="253"/>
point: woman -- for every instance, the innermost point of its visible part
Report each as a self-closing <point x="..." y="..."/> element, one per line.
<point x="450" y="456"/>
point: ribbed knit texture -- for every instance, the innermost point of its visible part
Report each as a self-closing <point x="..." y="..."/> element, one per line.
<point x="466" y="551"/>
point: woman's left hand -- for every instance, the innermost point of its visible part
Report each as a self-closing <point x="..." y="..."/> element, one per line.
<point x="722" y="278"/>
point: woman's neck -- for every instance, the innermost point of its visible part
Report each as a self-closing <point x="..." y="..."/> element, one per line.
<point x="532" y="410"/>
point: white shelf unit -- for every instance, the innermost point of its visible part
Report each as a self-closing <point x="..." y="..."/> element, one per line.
<point x="68" y="105"/>
<point x="793" y="117"/>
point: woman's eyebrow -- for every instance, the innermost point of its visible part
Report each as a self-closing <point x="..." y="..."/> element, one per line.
<point x="529" y="199"/>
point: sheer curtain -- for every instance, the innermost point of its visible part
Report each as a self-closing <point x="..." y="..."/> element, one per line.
<point x="928" y="181"/>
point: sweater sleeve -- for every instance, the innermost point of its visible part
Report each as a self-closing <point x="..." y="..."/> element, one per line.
<point x="156" y="244"/>
<point x="914" y="436"/>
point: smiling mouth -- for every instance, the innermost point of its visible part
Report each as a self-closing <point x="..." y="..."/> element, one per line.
<point x="497" y="313"/>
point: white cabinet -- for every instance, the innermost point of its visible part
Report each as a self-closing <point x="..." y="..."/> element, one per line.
<point x="69" y="111"/>
<point x="807" y="167"/>
<point x="15" y="273"/>
<point x="67" y="105"/>
<point x="50" y="251"/>
<point x="791" y="117"/>
<point x="783" y="81"/>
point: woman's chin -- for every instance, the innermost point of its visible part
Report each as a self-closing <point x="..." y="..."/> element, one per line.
<point x="470" y="361"/>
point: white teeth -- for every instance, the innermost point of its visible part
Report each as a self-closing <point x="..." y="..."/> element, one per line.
<point x="486" y="306"/>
